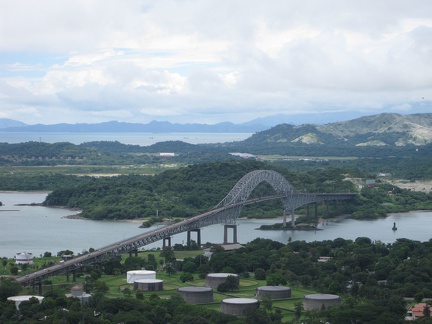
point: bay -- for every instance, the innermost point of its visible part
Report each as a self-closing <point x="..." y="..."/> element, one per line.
<point x="38" y="229"/>
<point x="133" y="138"/>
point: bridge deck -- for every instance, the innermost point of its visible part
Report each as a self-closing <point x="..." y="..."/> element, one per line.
<point x="227" y="214"/>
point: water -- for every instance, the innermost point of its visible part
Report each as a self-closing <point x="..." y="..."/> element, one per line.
<point x="38" y="229"/>
<point x="142" y="139"/>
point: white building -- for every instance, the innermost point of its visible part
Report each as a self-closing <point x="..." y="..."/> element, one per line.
<point x="24" y="258"/>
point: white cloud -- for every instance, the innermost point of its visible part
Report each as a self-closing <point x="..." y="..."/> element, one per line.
<point x="208" y="60"/>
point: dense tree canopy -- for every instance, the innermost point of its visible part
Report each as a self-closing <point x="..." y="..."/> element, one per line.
<point x="187" y="191"/>
<point x="373" y="279"/>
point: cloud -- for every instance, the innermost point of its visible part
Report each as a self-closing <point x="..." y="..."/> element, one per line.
<point x="209" y="60"/>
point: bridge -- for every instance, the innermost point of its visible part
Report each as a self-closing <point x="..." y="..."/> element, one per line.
<point x="226" y="212"/>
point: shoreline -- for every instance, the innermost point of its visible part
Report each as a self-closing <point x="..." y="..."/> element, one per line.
<point x="78" y="216"/>
<point x="321" y="221"/>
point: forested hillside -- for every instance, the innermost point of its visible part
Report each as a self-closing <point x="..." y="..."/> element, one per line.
<point x="377" y="130"/>
<point x="107" y="154"/>
<point x="190" y="190"/>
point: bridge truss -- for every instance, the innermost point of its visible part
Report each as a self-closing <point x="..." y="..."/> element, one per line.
<point x="228" y="209"/>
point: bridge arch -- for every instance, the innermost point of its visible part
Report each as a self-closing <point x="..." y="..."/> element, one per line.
<point x="243" y="188"/>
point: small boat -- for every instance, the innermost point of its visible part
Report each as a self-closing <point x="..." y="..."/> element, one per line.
<point x="394" y="227"/>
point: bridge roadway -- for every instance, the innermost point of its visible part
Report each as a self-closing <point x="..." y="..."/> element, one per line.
<point x="214" y="216"/>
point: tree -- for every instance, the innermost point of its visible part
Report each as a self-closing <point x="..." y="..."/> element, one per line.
<point x="96" y="286"/>
<point x="193" y="246"/>
<point x="8" y="288"/>
<point x="418" y="297"/>
<point x="139" y="295"/>
<point x="14" y="270"/>
<point x="94" y="275"/>
<point x="228" y="269"/>
<point x="169" y="269"/>
<point x="178" y="247"/>
<point x="186" y="276"/>
<point x="127" y="292"/>
<point x="298" y="308"/>
<point x="161" y="263"/>
<point x="427" y="311"/>
<point x="132" y="263"/>
<point x="276" y="279"/>
<point x="168" y="254"/>
<point x="260" y="274"/>
<point x="189" y="266"/>
<point x="231" y="284"/>
<point x="267" y="303"/>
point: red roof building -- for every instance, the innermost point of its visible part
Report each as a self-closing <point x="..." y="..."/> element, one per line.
<point x="416" y="311"/>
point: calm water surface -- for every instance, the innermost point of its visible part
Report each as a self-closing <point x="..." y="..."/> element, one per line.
<point x="38" y="229"/>
<point x="142" y="139"/>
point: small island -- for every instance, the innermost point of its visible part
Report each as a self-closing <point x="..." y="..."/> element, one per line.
<point x="289" y="227"/>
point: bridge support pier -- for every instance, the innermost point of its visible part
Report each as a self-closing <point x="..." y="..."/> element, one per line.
<point x="226" y="227"/>
<point x="293" y="219"/>
<point x="133" y="251"/>
<point x="198" y="231"/>
<point x="166" y="242"/>
<point x="73" y="275"/>
<point x="40" y="288"/>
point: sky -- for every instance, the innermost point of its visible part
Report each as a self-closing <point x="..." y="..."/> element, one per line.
<point x="210" y="61"/>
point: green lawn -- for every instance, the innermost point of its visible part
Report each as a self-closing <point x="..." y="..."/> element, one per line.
<point x="144" y="169"/>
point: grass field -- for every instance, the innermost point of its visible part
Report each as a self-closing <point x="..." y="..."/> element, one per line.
<point x="93" y="170"/>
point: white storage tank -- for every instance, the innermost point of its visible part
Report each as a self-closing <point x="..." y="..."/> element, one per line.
<point x="135" y="275"/>
<point x="24" y="258"/>
<point x="148" y="284"/>
<point x="320" y="301"/>
<point x="19" y="299"/>
<point x="213" y="280"/>
<point x="238" y="306"/>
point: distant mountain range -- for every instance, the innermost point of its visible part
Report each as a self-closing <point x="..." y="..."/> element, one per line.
<point x="255" y="125"/>
<point x="6" y="123"/>
<point x="376" y="130"/>
<point x="152" y="127"/>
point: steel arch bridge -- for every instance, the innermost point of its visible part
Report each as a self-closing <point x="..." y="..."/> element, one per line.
<point x="226" y="212"/>
<point x="291" y="198"/>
